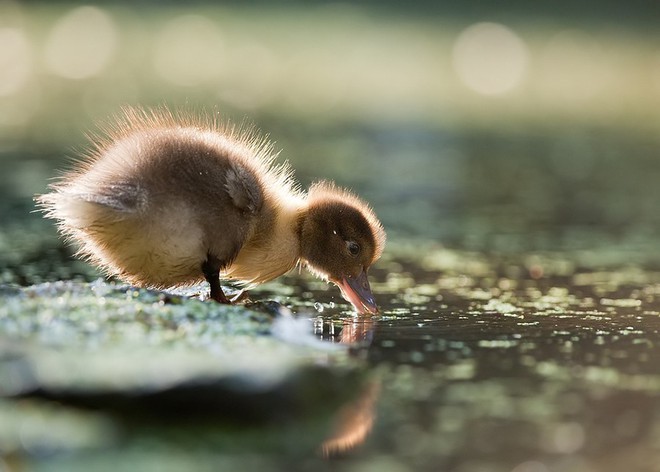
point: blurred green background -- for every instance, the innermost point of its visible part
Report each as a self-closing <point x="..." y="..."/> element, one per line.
<point x="510" y="127"/>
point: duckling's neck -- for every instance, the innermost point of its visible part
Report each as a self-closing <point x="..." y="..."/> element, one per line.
<point x="274" y="247"/>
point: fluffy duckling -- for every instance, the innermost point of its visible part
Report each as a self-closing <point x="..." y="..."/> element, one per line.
<point x="165" y="200"/>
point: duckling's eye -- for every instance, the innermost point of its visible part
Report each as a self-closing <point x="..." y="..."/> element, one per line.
<point x="353" y="247"/>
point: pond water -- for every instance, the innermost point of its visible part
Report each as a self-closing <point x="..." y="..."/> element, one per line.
<point x="529" y="344"/>
<point x="488" y="372"/>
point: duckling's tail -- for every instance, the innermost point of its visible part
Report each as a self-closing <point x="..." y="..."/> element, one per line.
<point x="76" y="209"/>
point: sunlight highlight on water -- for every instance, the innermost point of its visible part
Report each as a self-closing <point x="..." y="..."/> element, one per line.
<point x="490" y="58"/>
<point x="189" y="51"/>
<point x="15" y="60"/>
<point x="572" y="67"/>
<point x="81" y="44"/>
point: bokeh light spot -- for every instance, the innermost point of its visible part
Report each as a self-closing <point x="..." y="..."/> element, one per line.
<point x="572" y="66"/>
<point x="14" y="60"/>
<point x="568" y="438"/>
<point x="189" y="51"/>
<point x="81" y="44"/>
<point x="490" y="58"/>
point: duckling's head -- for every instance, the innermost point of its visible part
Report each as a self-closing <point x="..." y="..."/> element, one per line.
<point x="340" y="239"/>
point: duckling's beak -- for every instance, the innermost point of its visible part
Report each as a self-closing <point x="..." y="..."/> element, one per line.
<point x="356" y="290"/>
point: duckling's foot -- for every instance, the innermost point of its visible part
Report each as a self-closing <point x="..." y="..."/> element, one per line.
<point x="211" y="270"/>
<point x="218" y="295"/>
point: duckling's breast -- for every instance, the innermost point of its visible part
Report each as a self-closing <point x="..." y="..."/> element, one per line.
<point x="274" y="248"/>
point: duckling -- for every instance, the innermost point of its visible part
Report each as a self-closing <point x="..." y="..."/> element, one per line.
<point x="167" y="199"/>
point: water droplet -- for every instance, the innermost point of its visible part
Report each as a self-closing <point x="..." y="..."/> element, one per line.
<point x="318" y="326"/>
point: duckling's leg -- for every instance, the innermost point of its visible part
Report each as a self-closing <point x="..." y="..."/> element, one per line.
<point x="211" y="269"/>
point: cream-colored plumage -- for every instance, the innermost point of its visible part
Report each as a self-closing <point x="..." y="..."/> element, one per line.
<point x="167" y="199"/>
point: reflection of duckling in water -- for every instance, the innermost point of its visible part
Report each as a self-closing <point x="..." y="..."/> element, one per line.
<point x="353" y="422"/>
<point x="169" y="201"/>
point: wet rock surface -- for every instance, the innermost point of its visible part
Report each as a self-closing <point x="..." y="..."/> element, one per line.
<point x="115" y="364"/>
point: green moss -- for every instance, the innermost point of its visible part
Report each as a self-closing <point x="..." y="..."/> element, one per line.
<point x="128" y="363"/>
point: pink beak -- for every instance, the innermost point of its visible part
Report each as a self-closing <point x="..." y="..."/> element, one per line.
<point x="357" y="291"/>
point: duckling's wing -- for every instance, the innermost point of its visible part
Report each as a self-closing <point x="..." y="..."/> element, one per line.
<point x="243" y="189"/>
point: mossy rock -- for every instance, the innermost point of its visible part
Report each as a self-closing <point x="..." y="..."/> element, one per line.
<point x="114" y="363"/>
